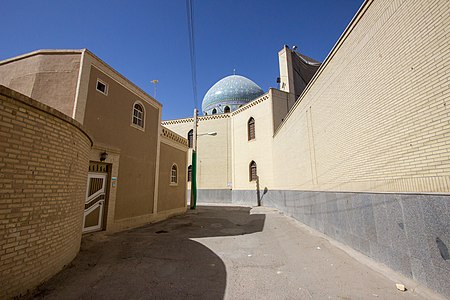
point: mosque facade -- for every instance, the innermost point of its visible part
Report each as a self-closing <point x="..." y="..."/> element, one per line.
<point x="357" y="148"/>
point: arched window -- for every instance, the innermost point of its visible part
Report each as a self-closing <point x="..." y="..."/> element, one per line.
<point x="226" y="109"/>
<point x="190" y="173"/>
<point x="251" y="129"/>
<point x="252" y="171"/>
<point x="174" y="174"/>
<point x="191" y="138"/>
<point x="138" y="115"/>
<point x="214" y="111"/>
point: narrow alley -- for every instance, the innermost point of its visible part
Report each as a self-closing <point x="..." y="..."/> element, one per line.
<point x="218" y="252"/>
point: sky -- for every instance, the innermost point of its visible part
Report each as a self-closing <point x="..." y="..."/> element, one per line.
<point x="148" y="39"/>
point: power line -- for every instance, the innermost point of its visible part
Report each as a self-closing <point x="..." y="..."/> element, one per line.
<point x="190" y="19"/>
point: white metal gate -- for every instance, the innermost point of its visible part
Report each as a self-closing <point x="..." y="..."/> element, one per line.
<point x="95" y="202"/>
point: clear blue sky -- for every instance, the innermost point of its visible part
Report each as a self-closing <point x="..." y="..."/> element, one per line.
<point x="147" y="40"/>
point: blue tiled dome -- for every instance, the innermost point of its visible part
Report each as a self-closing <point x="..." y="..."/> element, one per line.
<point x="232" y="92"/>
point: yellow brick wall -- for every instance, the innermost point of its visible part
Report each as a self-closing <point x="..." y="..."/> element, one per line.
<point x="43" y="172"/>
<point x="213" y="152"/>
<point x="377" y="116"/>
<point x="258" y="149"/>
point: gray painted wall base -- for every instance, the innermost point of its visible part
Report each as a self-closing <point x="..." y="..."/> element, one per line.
<point x="410" y="233"/>
<point x="212" y="196"/>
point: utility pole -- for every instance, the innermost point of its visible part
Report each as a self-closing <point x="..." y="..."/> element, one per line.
<point x="194" y="162"/>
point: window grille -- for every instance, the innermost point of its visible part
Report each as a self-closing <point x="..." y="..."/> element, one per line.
<point x="189" y="173"/>
<point x="174" y="174"/>
<point x="251" y="129"/>
<point x="253" y="176"/>
<point x="191" y="138"/>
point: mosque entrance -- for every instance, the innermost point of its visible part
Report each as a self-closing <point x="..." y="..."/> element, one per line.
<point x="94" y="205"/>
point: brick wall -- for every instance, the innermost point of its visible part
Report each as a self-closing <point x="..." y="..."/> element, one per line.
<point x="377" y="116"/>
<point x="364" y="155"/>
<point x="43" y="171"/>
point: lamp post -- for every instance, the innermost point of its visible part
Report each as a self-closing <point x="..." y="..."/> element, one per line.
<point x="194" y="159"/>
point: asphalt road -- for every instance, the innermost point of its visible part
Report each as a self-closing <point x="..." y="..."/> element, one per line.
<point x="218" y="252"/>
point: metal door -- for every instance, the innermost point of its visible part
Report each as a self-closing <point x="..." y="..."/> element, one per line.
<point x="95" y="202"/>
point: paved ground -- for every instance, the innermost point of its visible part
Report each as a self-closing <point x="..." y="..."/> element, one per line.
<point x="214" y="253"/>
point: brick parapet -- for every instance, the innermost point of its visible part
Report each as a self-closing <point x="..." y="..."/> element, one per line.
<point x="169" y="134"/>
<point x="43" y="172"/>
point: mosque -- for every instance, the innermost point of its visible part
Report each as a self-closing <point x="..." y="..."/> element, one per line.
<point x="356" y="147"/>
<point x="245" y="119"/>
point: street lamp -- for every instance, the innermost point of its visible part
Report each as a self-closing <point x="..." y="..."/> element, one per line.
<point x="208" y="133"/>
<point x="194" y="159"/>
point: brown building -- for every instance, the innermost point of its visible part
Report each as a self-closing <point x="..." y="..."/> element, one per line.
<point x="124" y="187"/>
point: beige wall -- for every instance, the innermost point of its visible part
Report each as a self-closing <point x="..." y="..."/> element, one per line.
<point x="50" y="78"/>
<point x="259" y="149"/>
<point x="172" y="196"/>
<point x="376" y="117"/>
<point x="66" y="80"/>
<point x="108" y="119"/>
<point x="282" y="103"/>
<point x="43" y="173"/>
<point x="213" y="152"/>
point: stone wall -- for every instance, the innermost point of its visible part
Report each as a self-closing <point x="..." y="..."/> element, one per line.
<point x="43" y="173"/>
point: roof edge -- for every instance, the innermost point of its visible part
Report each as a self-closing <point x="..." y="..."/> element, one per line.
<point x="122" y="76"/>
<point x="79" y="51"/>
<point x="43" y="51"/>
<point x="351" y="25"/>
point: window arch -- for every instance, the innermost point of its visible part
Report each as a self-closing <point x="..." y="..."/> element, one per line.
<point x="214" y="111"/>
<point x="138" y="117"/>
<point x="191" y="138"/>
<point x="189" y="177"/>
<point x="174" y="174"/>
<point x="251" y="129"/>
<point x="226" y="109"/>
<point x="253" y="175"/>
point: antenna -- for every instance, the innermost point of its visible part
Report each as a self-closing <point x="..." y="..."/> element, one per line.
<point x="155" y="82"/>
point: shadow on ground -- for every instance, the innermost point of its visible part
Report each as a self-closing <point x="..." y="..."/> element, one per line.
<point x="157" y="261"/>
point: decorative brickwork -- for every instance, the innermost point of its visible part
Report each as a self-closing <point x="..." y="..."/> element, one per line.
<point x="251" y="104"/>
<point x="173" y="136"/>
<point x="43" y="171"/>
<point x="200" y="118"/>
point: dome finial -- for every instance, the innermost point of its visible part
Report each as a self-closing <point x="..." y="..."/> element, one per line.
<point x="234" y="71"/>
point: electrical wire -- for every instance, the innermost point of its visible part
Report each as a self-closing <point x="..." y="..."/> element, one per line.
<point x="191" y="32"/>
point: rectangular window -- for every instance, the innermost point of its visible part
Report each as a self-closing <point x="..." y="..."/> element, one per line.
<point x="102" y="87"/>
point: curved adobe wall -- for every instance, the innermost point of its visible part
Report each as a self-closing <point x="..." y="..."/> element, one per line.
<point x="43" y="172"/>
